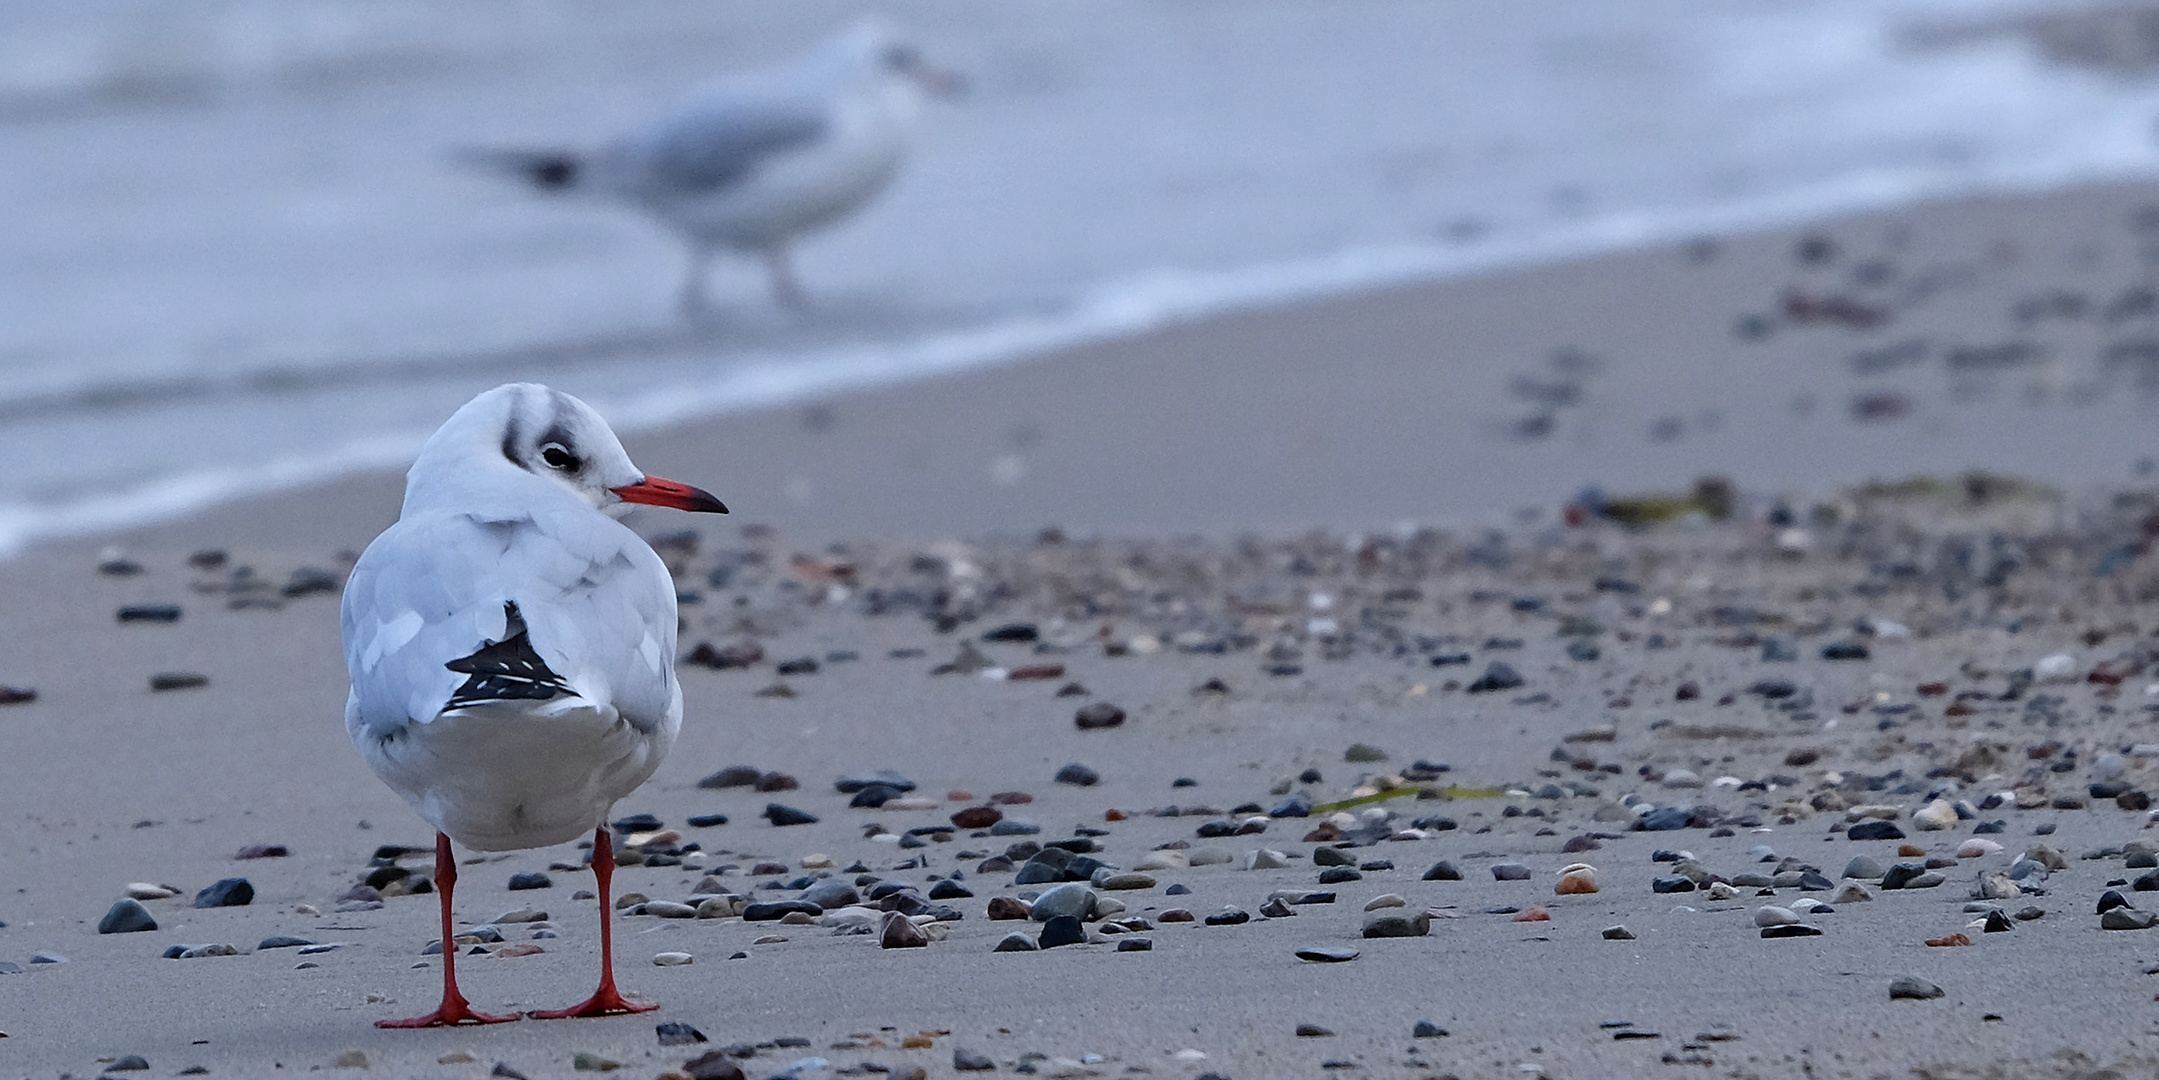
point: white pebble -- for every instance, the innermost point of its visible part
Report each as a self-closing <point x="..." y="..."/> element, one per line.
<point x="1772" y="915"/>
<point x="670" y="959"/>
<point x="2057" y="666"/>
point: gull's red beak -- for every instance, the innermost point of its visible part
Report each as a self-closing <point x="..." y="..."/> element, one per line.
<point x="653" y="491"/>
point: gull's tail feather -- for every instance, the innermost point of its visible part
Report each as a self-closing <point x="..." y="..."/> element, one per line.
<point x="547" y="170"/>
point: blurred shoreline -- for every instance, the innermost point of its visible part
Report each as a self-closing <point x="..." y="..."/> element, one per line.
<point x="244" y="262"/>
<point x="2016" y="335"/>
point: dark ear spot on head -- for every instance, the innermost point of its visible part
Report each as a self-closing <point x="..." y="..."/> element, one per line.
<point x="510" y="432"/>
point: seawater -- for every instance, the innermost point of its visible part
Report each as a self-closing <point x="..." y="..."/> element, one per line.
<point x="241" y="254"/>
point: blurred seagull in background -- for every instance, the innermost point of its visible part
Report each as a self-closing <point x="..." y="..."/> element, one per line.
<point x="752" y="163"/>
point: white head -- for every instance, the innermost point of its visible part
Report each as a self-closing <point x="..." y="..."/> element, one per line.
<point x="873" y="50"/>
<point x="504" y="441"/>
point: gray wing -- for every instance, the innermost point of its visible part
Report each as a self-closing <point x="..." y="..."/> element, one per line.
<point x="597" y="604"/>
<point x="722" y="138"/>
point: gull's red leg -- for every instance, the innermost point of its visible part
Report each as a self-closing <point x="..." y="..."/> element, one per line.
<point x="606" y="1001"/>
<point x="454" y="1008"/>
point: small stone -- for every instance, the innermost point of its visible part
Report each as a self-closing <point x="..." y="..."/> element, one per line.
<point x="977" y="817"/>
<point x="1229" y="916"/>
<point x="1313" y="1031"/>
<point x="966" y="1060"/>
<point x="897" y="931"/>
<point x="126" y="917"/>
<point x="1015" y="943"/>
<point x="1771" y="915"/>
<point x="282" y="941"/>
<point x="1330" y="954"/>
<point x="530" y="880"/>
<point x="1276" y="908"/>
<point x="1062" y="930"/>
<point x="1875" y="830"/>
<point x="716" y="1065"/>
<point x="1618" y="933"/>
<point x="47" y="958"/>
<point x="1336" y="875"/>
<point x="1997" y="921"/>
<point x="1497" y="676"/>
<point x="177" y="680"/>
<point x="16" y="695"/>
<point x="1363" y="752"/>
<point x="1175" y="914"/>
<point x="1393" y="924"/>
<point x="1442" y="871"/>
<point x="588" y="1062"/>
<point x="1914" y="988"/>
<point x="1665" y="819"/>
<point x="1576" y="883"/>
<point x="1671" y="884"/>
<point x="1135" y="944"/>
<point x="671" y="959"/>
<point x="1098" y="715"/>
<point x="1426" y="1029"/>
<point x="1078" y="776"/>
<point x="1005" y="907"/>
<point x="1386" y="900"/>
<point x="1072" y="899"/>
<point x="1132" y="880"/>
<point x="2127" y="918"/>
<point x="1935" y="816"/>
<point x="780" y="814"/>
<point x="1510" y="871"/>
<point x="677" y="1033"/>
<point x="1791" y="930"/>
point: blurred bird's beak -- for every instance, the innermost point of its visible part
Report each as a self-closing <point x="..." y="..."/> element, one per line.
<point x="654" y="491"/>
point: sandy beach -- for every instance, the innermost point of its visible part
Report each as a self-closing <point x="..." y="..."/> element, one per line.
<point x="1299" y="550"/>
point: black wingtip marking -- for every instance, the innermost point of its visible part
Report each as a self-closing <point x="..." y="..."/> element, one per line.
<point x="506" y="670"/>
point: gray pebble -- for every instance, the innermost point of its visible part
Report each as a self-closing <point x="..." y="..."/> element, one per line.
<point x="1913" y="988"/>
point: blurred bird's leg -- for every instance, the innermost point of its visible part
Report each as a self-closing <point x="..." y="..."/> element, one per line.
<point x="693" y="280"/>
<point x="606" y="1001"/>
<point x="454" y="1008"/>
<point x="786" y="290"/>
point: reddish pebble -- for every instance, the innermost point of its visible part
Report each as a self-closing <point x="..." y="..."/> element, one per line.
<point x="1035" y="673"/>
<point x="1535" y="914"/>
<point x="978" y="817"/>
<point x="1113" y="815"/>
<point x="1011" y="798"/>
<point x="1005" y="907"/>
<point x="1175" y="914"/>
<point x="1933" y="689"/>
<point x="1947" y="942"/>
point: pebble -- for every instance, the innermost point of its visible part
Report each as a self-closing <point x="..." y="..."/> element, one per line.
<point x="1665" y="819"/>
<point x="966" y="1060"/>
<point x="1771" y="915"/>
<point x="1363" y="752"/>
<point x="177" y="680"/>
<point x="1510" y="871"/>
<point x="668" y="909"/>
<point x="1135" y="944"/>
<point x="1125" y="881"/>
<point x="677" y="1033"/>
<point x="126" y="917"/>
<point x="1005" y="907"/>
<point x="2127" y="918"/>
<point x="899" y="932"/>
<point x="47" y="958"/>
<point x="1577" y="882"/>
<point x="1078" y="776"/>
<point x="1385" y="900"/>
<point x="1498" y="675"/>
<point x="1015" y="943"/>
<point x="1443" y="871"/>
<point x="1098" y="715"/>
<point x="1228" y="916"/>
<point x="1073" y="899"/>
<point x="1425" y="1029"/>
<point x="670" y="959"/>
<point x="1875" y="830"/>
<point x="1313" y="1031"/>
<point x="583" y="1061"/>
<point x="1935" y="816"/>
<point x="190" y="952"/>
<point x="16" y="695"/>
<point x="1329" y="954"/>
<point x="1791" y="930"/>
<point x="1062" y="930"/>
<point x="1267" y="859"/>
<point x="1913" y="988"/>
<point x="1977" y="847"/>
<point x="781" y="814"/>
<point x="1392" y="924"/>
<point x="977" y="817"/>
<point x="1276" y="908"/>
<point x="1618" y="933"/>
<point x="530" y="880"/>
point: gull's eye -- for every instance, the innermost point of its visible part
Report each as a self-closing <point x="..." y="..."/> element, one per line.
<point x="558" y="457"/>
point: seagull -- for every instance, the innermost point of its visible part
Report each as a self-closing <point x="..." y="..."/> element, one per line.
<point x="512" y="647"/>
<point x="750" y="164"/>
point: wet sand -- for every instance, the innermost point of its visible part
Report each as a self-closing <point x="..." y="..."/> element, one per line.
<point x="1184" y="471"/>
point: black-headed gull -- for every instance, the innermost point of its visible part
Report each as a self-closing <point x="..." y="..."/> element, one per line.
<point x="512" y="646"/>
<point x="751" y="163"/>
